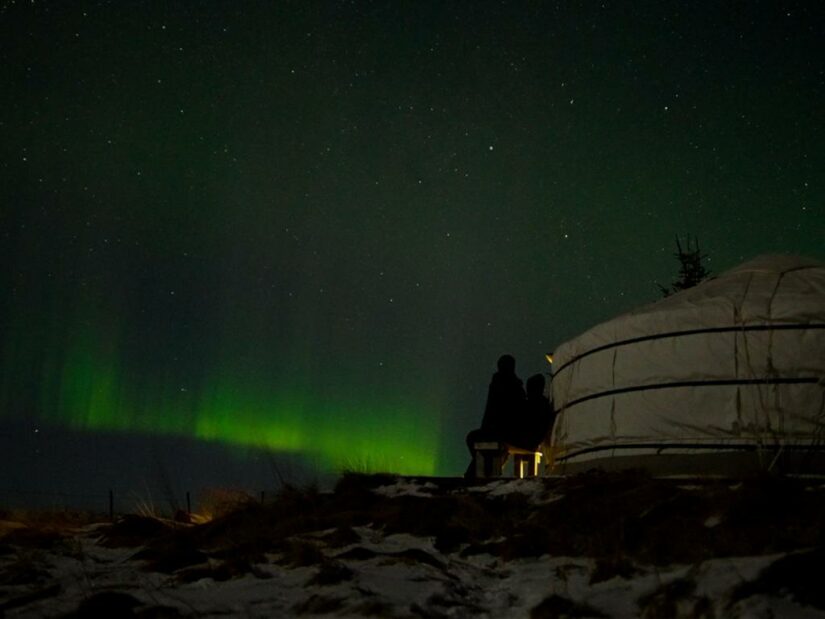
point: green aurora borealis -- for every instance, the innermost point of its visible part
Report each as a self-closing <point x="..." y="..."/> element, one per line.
<point x="312" y="227"/>
<point x="85" y="381"/>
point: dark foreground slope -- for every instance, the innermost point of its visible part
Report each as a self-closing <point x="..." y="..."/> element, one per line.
<point x="592" y="545"/>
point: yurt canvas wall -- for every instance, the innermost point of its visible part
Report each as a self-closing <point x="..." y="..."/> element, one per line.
<point x="726" y="377"/>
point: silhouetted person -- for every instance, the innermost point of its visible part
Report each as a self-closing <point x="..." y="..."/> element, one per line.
<point x="505" y="399"/>
<point x="536" y="421"/>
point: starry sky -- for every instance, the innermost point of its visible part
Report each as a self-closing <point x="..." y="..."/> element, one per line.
<point x="239" y="237"/>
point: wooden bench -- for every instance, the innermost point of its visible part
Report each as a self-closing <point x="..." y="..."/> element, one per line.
<point x="490" y="457"/>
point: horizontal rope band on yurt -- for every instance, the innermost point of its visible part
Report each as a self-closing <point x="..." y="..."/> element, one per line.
<point x="659" y="336"/>
<point x="659" y="447"/>
<point x="694" y="383"/>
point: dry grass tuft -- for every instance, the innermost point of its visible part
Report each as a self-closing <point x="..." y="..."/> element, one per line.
<point x="132" y="531"/>
<point x="218" y="502"/>
<point x="342" y="536"/>
<point x="27" y="568"/>
<point x="62" y="519"/>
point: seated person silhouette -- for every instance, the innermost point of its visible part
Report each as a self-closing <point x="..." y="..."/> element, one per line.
<point x="536" y="420"/>
<point x="505" y="400"/>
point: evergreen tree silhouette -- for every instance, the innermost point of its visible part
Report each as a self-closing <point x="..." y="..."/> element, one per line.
<point x="691" y="269"/>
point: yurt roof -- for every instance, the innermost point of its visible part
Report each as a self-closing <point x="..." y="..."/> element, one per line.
<point x="706" y="379"/>
<point x="769" y="289"/>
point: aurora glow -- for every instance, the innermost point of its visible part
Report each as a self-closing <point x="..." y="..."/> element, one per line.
<point x="89" y="389"/>
<point x="312" y="227"/>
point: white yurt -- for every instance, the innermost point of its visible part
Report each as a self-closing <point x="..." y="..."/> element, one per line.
<point x="727" y="377"/>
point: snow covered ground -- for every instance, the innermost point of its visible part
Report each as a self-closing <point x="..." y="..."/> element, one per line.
<point x="373" y="569"/>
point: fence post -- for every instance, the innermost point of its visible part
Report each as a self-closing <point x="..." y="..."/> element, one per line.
<point x="262" y="497"/>
<point x="111" y="505"/>
<point x="188" y="503"/>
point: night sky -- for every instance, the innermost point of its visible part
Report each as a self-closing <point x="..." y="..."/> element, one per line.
<point x="245" y="236"/>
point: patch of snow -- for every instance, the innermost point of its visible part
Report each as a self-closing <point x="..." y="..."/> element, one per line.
<point x="715" y="577"/>
<point x="619" y="597"/>
<point x="407" y="488"/>
<point x="769" y="607"/>
<point x="713" y="521"/>
<point x="374" y="540"/>
<point x="533" y="487"/>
